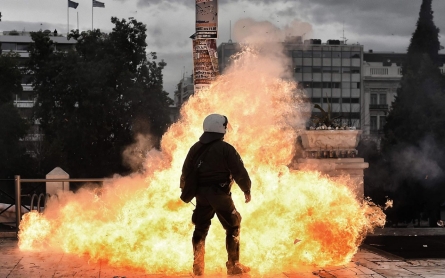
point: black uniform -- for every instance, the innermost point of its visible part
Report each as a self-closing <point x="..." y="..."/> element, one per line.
<point x="220" y="167"/>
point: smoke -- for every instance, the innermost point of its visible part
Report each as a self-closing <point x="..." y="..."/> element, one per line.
<point x="135" y="154"/>
<point x="267" y="57"/>
<point x="259" y="32"/>
<point x="422" y="162"/>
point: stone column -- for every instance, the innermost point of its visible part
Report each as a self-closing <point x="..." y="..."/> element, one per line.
<point x="53" y="187"/>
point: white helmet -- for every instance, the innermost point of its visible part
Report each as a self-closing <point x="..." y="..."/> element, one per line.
<point x="215" y="123"/>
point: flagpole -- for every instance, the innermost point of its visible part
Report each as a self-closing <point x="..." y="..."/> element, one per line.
<point x="68" y="18"/>
<point x="92" y="15"/>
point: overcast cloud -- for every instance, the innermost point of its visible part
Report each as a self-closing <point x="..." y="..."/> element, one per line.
<point x="381" y="25"/>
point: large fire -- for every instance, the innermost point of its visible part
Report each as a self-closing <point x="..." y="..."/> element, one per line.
<point x="295" y="217"/>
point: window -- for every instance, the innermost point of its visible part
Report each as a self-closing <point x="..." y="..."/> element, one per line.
<point x="316" y="100"/>
<point x="8" y="46"/>
<point x="355" y="85"/>
<point x="326" y="54"/>
<point x="298" y="69"/>
<point x="373" y="123"/>
<point x="346" y="54"/>
<point x="345" y="85"/>
<point x="297" y="54"/>
<point x="382" y="122"/>
<point x="316" y="84"/>
<point x="336" y="85"/>
<point x="327" y="85"/>
<point x="22" y="47"/>
<point x="346" y="70"/>
<point x="307" y="54"/>
<point x="336" y="54"/>
<point x="345" y="100"/>
<point x="316" y="54"/>
<point x="382" y="99"/>
<point x="355" y="100"/>
<point x="331" y="100"/>
<point x="316" y="69"/>
<point x="355" y="55"/>
<point x="307" y="69"/>
<point x="373" y="99"/>
<point x="355" y="70"/>
<point x="335" y="70"/>
<point x="326" y="69"/>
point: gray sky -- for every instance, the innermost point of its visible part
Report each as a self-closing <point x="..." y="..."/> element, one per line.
<point x="381" y="25"/>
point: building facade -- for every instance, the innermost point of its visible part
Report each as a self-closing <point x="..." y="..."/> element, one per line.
<point x="19" y="43"/>
<point x="382" y="76"/>
<point x="359" y="86"/>
<point x="330" y="74"/>
<point x="183" y="91"/>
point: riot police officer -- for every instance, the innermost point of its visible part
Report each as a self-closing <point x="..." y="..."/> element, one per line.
<point x="220" y="165"/>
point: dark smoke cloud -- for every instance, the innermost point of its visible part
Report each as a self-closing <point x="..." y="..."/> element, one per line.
<point x="422" y="162"/>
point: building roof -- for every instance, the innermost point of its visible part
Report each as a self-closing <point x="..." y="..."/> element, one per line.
<point x="27" y="39"/>
<point x="390" y="57"/>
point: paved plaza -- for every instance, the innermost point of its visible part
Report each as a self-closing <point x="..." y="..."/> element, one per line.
<point x="368" y="262"/>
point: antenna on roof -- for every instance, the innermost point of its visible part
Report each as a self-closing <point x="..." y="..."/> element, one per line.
<point x="344" y="38"/>
<point x="230" y="32"/>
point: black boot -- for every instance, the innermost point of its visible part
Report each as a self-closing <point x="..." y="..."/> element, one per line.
<point x="235" y="268"/>
<point x="233" y="265"/>
<point x="198" y="257"/>
<point x="232" y="245"/>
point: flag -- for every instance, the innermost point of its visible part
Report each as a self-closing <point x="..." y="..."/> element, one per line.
<point x="72" y="4"/>
<point x="98" y="4"/>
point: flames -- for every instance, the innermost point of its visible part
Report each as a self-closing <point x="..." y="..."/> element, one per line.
<point x="295" y="217"/>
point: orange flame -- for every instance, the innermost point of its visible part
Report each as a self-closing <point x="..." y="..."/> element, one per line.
<point x="294" y="218"/>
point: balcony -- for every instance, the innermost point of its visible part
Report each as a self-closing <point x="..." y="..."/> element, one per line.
<point x="378" y="107"/>
<point x="24" y="103"/>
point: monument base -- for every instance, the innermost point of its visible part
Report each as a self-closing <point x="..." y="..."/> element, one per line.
<point x="338" y="167"/>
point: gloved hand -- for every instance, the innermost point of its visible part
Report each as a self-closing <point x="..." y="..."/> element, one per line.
<point x="247" y="197"/>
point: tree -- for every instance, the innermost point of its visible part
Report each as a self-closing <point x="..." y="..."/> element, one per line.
<point x="425" y="39"/>
<point x="417" y="115"/>
<point x="10" y="77"/>
<point x="14" y="159"/>
<point x="90" y="98"/>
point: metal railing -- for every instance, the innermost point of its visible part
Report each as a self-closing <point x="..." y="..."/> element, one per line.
<point x="18" y="188"/>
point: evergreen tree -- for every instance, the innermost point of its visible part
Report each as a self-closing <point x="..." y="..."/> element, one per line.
<point x="417" y="109"/>
<point x="416" y="116"/>
<point x="89" y="98"/>
<point x="425" y="39"/>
